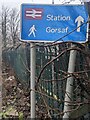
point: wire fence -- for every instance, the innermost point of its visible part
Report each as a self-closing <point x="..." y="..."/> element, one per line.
<point x="51" y="77"/>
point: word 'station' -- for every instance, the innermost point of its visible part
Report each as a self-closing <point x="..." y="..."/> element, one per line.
<point x="57" y="18"/>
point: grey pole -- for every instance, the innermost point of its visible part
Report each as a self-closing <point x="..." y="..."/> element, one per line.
<point x="32" y="82"/>
<point x="69" y="84"/>
<point x="52" y="1"/>
<point x="87" y="4"/>
<point x="0" y="76"/>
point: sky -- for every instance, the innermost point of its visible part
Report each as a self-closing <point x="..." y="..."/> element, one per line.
<point x="17" y="3"/>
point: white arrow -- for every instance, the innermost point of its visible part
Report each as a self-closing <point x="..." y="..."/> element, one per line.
<point x="79" y="20"/>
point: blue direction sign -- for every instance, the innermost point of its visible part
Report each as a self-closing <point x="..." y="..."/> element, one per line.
<point x="53" y="22"/>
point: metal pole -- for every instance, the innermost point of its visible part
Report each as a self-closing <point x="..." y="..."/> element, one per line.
<point x="0" y="77"/>
<point x="52" y="1"/>
<point x="87" y="4"/>
<point x="33" y="67"/>
<point x="69" y="84"/>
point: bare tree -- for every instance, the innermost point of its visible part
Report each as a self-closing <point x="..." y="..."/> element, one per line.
<point x="14" y="26"/>
<point x="9" y="26"/>
<point x="4" y="23"/>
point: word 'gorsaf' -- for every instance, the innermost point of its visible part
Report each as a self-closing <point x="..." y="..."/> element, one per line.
<point x="56" y="30"/>
<point x="57" y="18"/>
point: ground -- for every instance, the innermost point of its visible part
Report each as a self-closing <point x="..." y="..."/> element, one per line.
<point x="15" y="97"/>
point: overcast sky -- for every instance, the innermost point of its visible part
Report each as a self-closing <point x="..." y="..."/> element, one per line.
<point x="16" y="3"/>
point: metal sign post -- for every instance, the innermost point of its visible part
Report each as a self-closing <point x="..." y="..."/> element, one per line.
<point x="69" y="84"/>
<point x="32" y="79"/>
<point x="52" y="1"/>
<point x="87" y="4"/>
<point x="0" y="77"/>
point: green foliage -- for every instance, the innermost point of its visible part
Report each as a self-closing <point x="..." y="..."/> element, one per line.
<point x="21" y="117"/>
